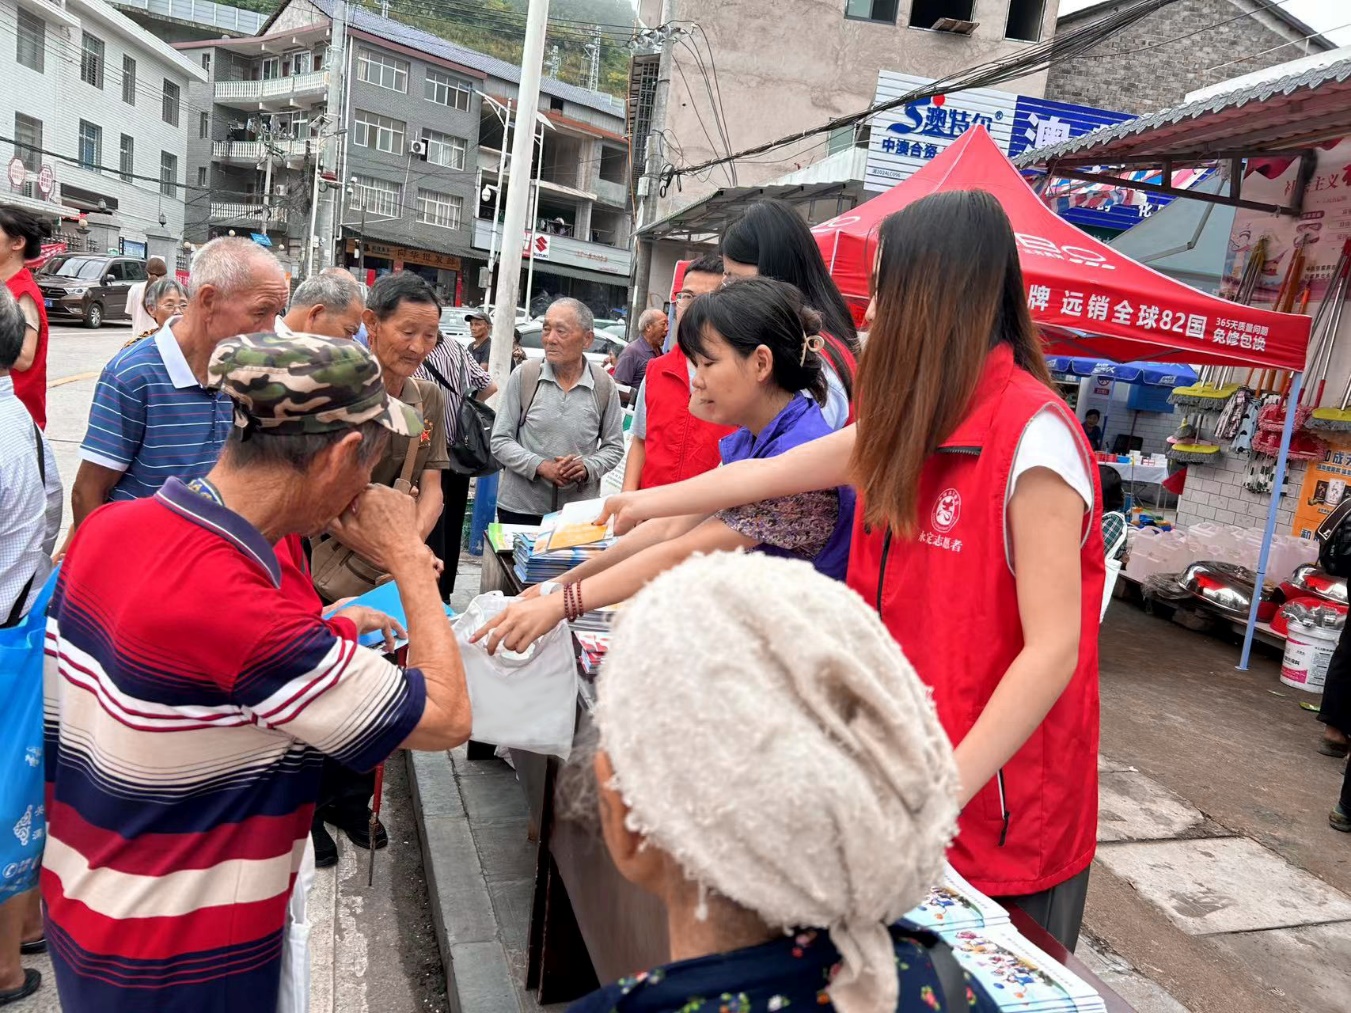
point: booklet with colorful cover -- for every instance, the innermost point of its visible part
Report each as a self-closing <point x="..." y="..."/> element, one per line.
<point x="573" y="525"/>
<point x="1018" y="975"/>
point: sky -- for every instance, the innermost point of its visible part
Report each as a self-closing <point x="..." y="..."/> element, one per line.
<point x="1331" y="17"/>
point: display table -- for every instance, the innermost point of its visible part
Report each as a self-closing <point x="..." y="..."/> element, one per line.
<point x="1149" y="474"/>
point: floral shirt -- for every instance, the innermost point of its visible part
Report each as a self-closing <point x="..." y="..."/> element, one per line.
<point x="787" y="974"/>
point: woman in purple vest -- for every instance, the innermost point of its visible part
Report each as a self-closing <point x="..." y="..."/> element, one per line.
<point x="755" y="349"/>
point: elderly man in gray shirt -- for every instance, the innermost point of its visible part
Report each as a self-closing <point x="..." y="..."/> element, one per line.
<point x="559" y="425"/>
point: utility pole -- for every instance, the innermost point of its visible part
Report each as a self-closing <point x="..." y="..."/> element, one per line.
<point x="518" y="196"/>
<point x="648" y="185"/>
<point x="495" y="237"/>
<point x="326" y="216"/>
<point x="592" y="50"/>
<point x="267" y="179"/>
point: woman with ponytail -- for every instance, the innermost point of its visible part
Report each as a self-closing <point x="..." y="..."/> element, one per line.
<point x="757" y="357"/>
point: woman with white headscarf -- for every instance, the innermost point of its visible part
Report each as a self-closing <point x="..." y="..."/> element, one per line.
<point x="774" y="771"/>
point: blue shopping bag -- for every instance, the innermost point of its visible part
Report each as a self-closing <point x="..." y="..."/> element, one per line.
<point x="23" y="820"/>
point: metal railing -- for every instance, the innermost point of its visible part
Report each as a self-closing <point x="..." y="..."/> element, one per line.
<point x="200" y="12"/>
<point x="228" y="212"/>
<point x="253" y="151"/>
<point x="272" y="89"/>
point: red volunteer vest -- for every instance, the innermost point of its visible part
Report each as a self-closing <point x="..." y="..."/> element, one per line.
<point x="30" y="385"/>
<point x="949" y="598"/>
<point x="678" y="445"/>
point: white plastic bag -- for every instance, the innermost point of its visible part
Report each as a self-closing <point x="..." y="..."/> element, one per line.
<point x="294" y="996"/>
<point x="522" y="701"/>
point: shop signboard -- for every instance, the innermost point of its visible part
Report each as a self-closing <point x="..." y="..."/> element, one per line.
<point x="46" y="181"/>
<point x="906" y="138"/>
<point x="18" y="172"/>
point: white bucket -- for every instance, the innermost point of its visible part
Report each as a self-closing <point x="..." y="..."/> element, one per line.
<point x="1308" y="650"/>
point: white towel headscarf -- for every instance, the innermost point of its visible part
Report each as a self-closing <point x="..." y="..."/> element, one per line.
<point x="767" y="733"/>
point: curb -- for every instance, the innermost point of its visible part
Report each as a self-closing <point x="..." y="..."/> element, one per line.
<point x="478" y="976"/>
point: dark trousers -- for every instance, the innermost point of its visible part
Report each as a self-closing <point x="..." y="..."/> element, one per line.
<point x="1059" y="910"/>
<point x="1346" y="790"/>
<point x="1335" y="709"/>
<point x="445" y="538"/>
<point x="344" y="795"/>
<point x="512" y="517"/>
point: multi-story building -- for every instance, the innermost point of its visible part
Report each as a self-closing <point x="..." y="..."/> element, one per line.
<point x="190" y="20"/>
<point x="97" y="111"/>
<point x="1178" y="49"/>
<point x="713" y="86"/>
<point x="418" y="131"/>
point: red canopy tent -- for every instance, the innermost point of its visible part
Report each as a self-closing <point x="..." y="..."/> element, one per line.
<point x="1088" y="298"/>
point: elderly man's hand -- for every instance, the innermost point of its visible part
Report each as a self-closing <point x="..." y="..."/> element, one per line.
<point x="369" y="620"/>
<point x="551" y="472"/>
<point x="572" y="469"/>
<point x="381" y="525"/>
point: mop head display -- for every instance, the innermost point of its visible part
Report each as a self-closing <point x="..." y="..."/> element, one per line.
<point x="1304" y="446"/>
<point x="1331" y="419"/>
<point x="1271" y="418"/>
<point x="1203" y="397"/>
<point x="1194" y="453"/>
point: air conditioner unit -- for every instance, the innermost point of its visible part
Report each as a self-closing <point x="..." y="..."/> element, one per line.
<point x="418" y="149"/>
<point x="280" y="190"/>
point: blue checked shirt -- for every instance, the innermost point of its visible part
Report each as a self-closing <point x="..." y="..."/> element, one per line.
<point x="152" y="420"/>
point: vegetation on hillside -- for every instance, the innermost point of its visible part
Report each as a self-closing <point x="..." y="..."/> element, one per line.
<point x="497" y="27"/>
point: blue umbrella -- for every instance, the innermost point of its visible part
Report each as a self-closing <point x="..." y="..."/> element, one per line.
<point x="1154" y="374"/>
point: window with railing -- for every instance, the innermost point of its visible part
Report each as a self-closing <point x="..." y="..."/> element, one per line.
<point x="382" y="71"/>
<point x="91" y="60"/>
<point x="168" y="174"/>
<point x="440" y="209"/>
<point x="32" y="41"/>
<point x="172" y="96"/>
<point x="443" y="149"/>
<point x="28" y="141"/>
<point x="90" y="144"/>
<point x="447" y="90"/>
<point x="270" y="69"/>
<point x="377" y="197"/>
<point x="126" y="158"/>
<point x="302" y="62"/>
<point x="382" y="133"/>
<point x="128" y="80"/>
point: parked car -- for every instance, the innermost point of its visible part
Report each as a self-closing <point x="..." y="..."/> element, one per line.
<point x="88" y="287"/>
<point x="532" y="340"/>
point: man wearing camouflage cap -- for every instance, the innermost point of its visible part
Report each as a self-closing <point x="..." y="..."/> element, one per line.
<point x="213" y="694"/>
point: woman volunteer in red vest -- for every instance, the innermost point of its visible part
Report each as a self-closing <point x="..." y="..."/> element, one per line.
<point x="20" y="241"/>
<point x="772" y="241"/>
<point x="976" y="539"/>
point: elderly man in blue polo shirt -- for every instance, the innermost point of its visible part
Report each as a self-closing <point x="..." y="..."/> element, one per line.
<point x="153" y="417"/>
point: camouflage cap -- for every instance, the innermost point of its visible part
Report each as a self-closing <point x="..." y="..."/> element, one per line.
<point x="304" y="383"/>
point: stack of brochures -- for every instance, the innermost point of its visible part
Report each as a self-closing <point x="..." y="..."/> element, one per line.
<point x="1016" y="974"/>
<point x="594" y="646"/>
<point x="566" y="539"/>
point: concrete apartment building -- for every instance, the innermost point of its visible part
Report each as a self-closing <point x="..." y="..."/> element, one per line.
<point x="828" y="66"/>
<point x="419" y="126"/>
<point x="1181" y="48"/>
<point x="96" y="110"/>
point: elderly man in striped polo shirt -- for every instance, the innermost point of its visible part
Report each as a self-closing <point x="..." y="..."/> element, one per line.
<point x="153" y="416"/>
<point x="190" y="704"/>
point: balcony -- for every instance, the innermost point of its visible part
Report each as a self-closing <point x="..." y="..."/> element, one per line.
<point x="616" y="195"/>
<point x="252" y="152"/>
<point x="276" y="93"/>
<point x="201" y="12"/>
<point x="250" y="213"/>
<point x="564" y="250"/>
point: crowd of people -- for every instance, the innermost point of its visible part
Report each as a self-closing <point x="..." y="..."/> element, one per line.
<point x="257" y="457"/>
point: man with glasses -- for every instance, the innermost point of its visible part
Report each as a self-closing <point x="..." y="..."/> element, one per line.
<point x="681" y="445"/>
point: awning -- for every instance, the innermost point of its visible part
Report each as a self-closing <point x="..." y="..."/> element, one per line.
<point x="41" y="208"/>
<point x="1153" y="374"/>
<point x="710" y="216"/>
<point x="1087" y="297"/>
<point x="580" y="273"/>
<point x="1187" y="240"/>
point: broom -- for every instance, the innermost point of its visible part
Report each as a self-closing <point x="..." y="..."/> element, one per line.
<point x="1334" y="419"/>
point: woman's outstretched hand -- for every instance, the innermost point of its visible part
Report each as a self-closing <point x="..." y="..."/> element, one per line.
<point x="623" y="510"/>
<point x="521" y="624"/>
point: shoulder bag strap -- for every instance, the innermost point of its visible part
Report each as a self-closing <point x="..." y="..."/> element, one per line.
<point x="951" y="977"/>
<point x="531" y="371"/>
<point x="602" y="383"/>
<point x="439" y="378"/>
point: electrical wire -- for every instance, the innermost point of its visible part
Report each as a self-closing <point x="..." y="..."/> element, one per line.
<point x="713" y="103"/>
<point x="1058" y="49"/>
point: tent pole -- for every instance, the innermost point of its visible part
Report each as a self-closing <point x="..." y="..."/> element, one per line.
<point x="1278" y="483"/>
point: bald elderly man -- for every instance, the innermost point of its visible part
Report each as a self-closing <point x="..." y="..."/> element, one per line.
<point x="632" y="366"/>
